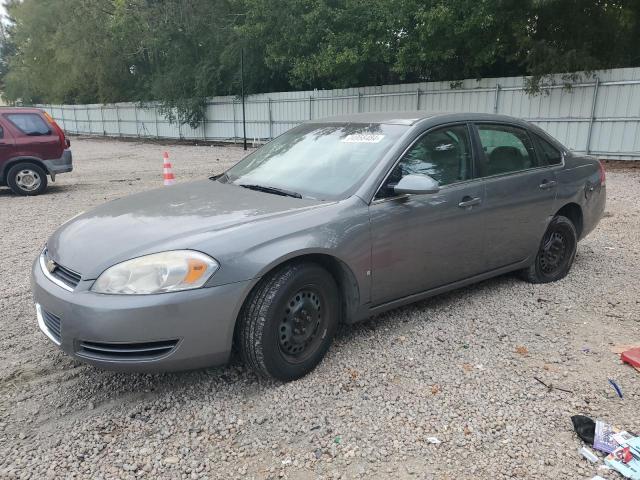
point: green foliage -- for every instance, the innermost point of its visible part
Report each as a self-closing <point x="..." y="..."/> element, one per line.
<point x="179" y="52"/>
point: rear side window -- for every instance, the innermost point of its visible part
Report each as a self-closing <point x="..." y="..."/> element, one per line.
<point x="549" y="154"/>
<point x="507" y="149"/>
<point x="29" y="123"/>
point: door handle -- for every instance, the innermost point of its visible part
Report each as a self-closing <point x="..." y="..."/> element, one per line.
<point x="547" y="184"/>
<point x="468" y="201"/>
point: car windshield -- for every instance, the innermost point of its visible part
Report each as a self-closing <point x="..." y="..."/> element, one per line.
<point x="320" y="161"/>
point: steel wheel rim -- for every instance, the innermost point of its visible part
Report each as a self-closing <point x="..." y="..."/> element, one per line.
<point x="28" y="180"/>
<point x="554" y="254"/>
<point x="300" y="326"/>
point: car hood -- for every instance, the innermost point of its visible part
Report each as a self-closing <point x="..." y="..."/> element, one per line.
<point x="156" y="220"/>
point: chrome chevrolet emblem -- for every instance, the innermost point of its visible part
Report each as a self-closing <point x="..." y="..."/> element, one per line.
<point x="51" y="265"/>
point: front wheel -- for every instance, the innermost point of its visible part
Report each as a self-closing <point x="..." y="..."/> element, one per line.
<point x="288" y="321"/>
<point x="556" y="253"/>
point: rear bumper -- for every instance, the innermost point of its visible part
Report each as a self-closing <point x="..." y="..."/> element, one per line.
<point x="164" y="332"/>
<point x="63" y="164"/>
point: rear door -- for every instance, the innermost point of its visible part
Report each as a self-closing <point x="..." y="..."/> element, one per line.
<point x="420" y="242"/>
<point x="34" y="136"/>
<point x="520" y="192"/>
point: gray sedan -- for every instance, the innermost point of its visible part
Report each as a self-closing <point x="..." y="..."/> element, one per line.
<point x="332" y="222"/>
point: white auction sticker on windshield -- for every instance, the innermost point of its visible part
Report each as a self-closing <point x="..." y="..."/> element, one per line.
<point x="363" y="138"/>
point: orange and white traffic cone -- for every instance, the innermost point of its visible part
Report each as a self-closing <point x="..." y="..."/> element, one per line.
<point x="167" y="170"/>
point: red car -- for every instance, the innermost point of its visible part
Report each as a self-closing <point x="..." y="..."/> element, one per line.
<point x="32" y="146"/>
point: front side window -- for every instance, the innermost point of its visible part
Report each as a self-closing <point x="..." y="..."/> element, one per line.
<point x="443" y="154"/>
<point x="29" y="123"/>
<point x="507" y="149"/>
<point x="549" y="154"/>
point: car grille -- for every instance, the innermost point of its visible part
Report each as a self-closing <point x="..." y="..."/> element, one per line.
<point x="126" y="351"/>
<point x="66" y="276"/>
<point x="52" y="323"/>
<point x="58" y="273"/>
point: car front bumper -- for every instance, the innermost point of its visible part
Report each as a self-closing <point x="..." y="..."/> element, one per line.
<point x="63" y="164"/>
<point x="163" y="332"/>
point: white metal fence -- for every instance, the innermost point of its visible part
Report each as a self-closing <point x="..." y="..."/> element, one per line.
<point x="599" y="115"/>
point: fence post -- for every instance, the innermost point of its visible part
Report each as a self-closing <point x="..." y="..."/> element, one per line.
<point x="359" y="98"/>
<point x="75" y="119"/>
<point x="155" y="119"/>
<point x="418" y="99"/>
<point x="64" y="122"/>
<point x="233" y="107"/>
<point x="495" y="98"/>
<point x="310" y="107"/>
<point x="593" y="114"/>
<point x="118" y="120"/>
<point x="104" y="129"/>
<point x="135" y="116"/>
<point x="270" y="121"/>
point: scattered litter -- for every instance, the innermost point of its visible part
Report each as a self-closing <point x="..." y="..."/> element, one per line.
<point x="337" y="440"/>
<point x="586" y="350"/>
<point x="618" y="349"/>
<point x="622" y="437"/>
<point x="616" y="388"/>
<point x="551" y="386"/>
<point x="626" y="459"/>
<point x="632" y="357"/>
<point x="601" y="435"/>
<point x="433" y="440"/>
<point x="588" y="454"/>
<point x="585" y="428"/>
<point x="623" y="447"/>
<point x="522" y="350"/>
<point x="604" y="438"/>
<point x="286" y="461"/>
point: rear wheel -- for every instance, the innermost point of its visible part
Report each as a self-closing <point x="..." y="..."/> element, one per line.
<point x="556" y="253"/>
<point x="27" y="179"/>
<point x="288" y="321"/>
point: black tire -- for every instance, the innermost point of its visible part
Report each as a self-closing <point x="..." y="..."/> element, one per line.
<point x="556" y="252"/>
<point x="273" y="325"/>
<point x="26" y="178"/>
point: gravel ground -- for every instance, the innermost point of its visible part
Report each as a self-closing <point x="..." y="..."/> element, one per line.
<point x="459" y="367"/>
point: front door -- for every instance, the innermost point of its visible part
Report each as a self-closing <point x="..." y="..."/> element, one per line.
<point x="420" y="242"/>
<point x="520" y="192"/>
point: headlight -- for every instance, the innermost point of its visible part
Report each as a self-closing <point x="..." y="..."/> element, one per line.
<point x="157" y="273"/>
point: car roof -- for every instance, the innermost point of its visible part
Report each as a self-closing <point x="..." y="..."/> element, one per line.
<point x="20" y="110"/>
<point x="411" y="118"/>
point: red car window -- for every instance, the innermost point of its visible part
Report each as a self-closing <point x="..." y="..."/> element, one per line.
<point x="29" y="123"/>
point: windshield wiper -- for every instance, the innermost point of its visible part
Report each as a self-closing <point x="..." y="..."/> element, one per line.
<point x="274" y="190"/>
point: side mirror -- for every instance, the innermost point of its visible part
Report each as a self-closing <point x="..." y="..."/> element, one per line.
<point x="416" y="185"/>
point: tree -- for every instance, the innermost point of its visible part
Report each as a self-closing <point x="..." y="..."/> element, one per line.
<point x="180" y="52"/>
